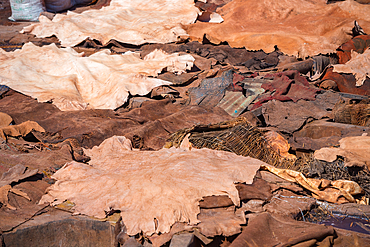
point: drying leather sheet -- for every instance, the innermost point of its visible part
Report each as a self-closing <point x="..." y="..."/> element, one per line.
<point x="296" y="27"/>
<point x="128" y="21"/>
<point x="74" y="82"/>
<point x="152" y="189"/>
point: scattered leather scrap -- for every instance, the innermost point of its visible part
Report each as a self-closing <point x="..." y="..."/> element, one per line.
<point x="359" y="66"/>
<point x="14" y="174"/>
<point x="211" y="5"/>
<point x="4" y="191"/>
<point x="153" y="120"/>
<point x="358" y="44"/>
<point x="267" y="230"/>
<point x="216" y="201"/>
<point x="220" y="221"/>
<point x="44" y="160"/>
<point x="289" y="85"/>
<point x="259" y="190"/>
<point x="287" y="203"/>
<point x="20" y="129"/>
<point x="11" y="219"/>
<point x="221" y="54"/>
<point x="160" y="239"/>
<point x="211" y="90"/>
<point x="289" y="116"/>
<point x="279" y="144"/>
<point x="5" y="119"/>
<point x="339" y="191"/>
<point x="346" y="83"/>
<point x="152" y="123"/>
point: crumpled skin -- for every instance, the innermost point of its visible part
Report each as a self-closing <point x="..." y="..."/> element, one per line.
<point x="346" y="83"/>
<point x="14" y="174"/>
<point x="5" y="119"/>
<point x="220" y="221"/>
<point x="288" y="85"/>
<point x="4" y="191"/>
<point x="133" y="22"/>
<point x="20" y="130"/>
<point x="297" y="27"/>
<point x="358" y="44"/>
<point x="211" y="90"/>
<point x="279" y="144"/>
<point x="289" y="116"/>
<point x="75" y="82"/>
<point x="339" y="191"/>
<point x="266" y="230"/>
<point x="359" y="65"/>
<point x="149" y="187"/>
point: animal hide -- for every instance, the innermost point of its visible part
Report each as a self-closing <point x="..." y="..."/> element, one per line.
<point x="359" y="65"/>
<point x="297" y="27"/>
<point x="75" y="82"/>
<point x="135" y="22"/>
<point x="152" y="189"/>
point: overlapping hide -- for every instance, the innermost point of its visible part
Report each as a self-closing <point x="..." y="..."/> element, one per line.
<point x="75" y="82"/>
<point x="338" y="191"/>
<point x="134" y="22"/>
<point x="296" y="27"/>
<point x="152" y="189"/>
<point x="15" y="174"/>
<point x="359" y="65"/>
<point x="267" y="230"/>
<point x="22" y="129"/>
<point x="355" y="150"/>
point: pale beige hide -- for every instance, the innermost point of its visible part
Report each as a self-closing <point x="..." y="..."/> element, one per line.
<point x="128" y="21"/>
<point x="75" y="82"/>
<point x="355" y="150"/>
<point x="297" y="27"/>
<point x="162" y="186"/>
<point x="359" y="65"/>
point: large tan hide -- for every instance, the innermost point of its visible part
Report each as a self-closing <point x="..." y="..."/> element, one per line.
<point x="152" y="189"/>
<point x="296" y="27"/>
